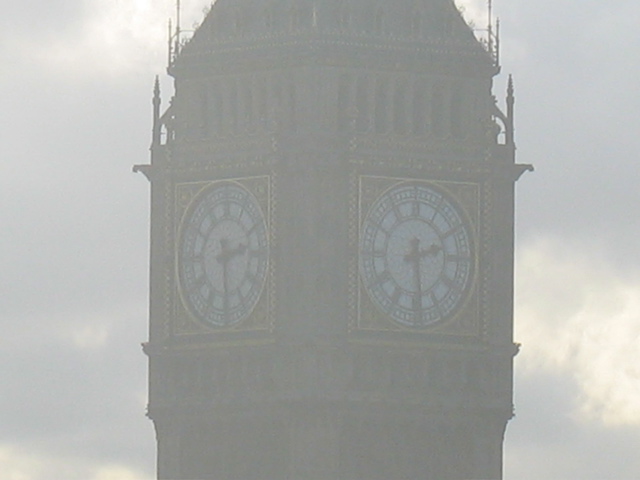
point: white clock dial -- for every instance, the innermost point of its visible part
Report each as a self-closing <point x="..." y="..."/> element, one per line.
<point x="416" y="255"/>
<point x="223" y="255"/>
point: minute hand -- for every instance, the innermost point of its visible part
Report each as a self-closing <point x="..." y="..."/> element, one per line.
<point x="414" y="257"/>
<point x="224" y="257"/>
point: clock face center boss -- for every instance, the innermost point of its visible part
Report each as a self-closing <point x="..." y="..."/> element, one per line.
<point x="222" y="255"/>
<point x="416" y="254"/>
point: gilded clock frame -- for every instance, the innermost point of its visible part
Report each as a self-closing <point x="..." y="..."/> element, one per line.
<point x="365" y="315"/>
<point x="260" y="319"/>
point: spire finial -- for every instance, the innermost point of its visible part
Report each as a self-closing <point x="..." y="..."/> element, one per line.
<point x="156" y="88"/>
<point x="511" y="100"/>
<point x="155" y="140"/>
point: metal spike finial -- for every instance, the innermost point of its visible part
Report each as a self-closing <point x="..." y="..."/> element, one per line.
<point x="490" y="24"/>
<point x="170" y="44"/>
<point x="174" y="35"/>
<point x="493" y="34"/>
<point x="178" y="10"/>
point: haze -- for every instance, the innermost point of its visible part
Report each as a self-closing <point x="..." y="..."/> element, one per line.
<point x="77" y="84"/>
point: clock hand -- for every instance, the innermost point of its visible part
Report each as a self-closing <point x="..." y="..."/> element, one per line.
<point x="432" y="251"/>
<point x="415" y="255"/>
<point x="239" y="250"/>
<point x="226" y="253"/>
<point x="224" y="257"/>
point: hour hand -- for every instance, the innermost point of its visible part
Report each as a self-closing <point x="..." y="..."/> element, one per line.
<point x="240" y="249"/>
<point x="432" y="251"/>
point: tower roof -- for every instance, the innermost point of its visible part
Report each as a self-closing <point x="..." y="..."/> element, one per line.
<point x="434" y="27"/>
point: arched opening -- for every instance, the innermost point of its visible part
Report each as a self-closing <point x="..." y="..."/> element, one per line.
<point x="419" y="106"/>
<point x="380" y="20"/>
<point x="438" y="120"/>
<point x="416" y="24"/>
<point x="362" y="104"/>
<point x="382" y="107"/>
<point x="400" y="109"/>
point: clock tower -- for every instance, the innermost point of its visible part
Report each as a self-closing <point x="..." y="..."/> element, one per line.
<point x="332" y="212"/>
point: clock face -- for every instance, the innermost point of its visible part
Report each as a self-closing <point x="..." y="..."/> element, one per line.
<point x="223" y="255"/>
<point x="416" y="255"/>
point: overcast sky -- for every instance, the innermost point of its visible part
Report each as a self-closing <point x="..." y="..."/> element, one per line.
<point x="76" y="84"/>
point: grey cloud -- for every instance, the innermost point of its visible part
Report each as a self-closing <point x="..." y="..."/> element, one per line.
<point x="44" y="18"/>
<point x="547" y="439"/>
<point x="75" y="226"/>
<point x="576" y="121"/>
<point x="79" y="403"/>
